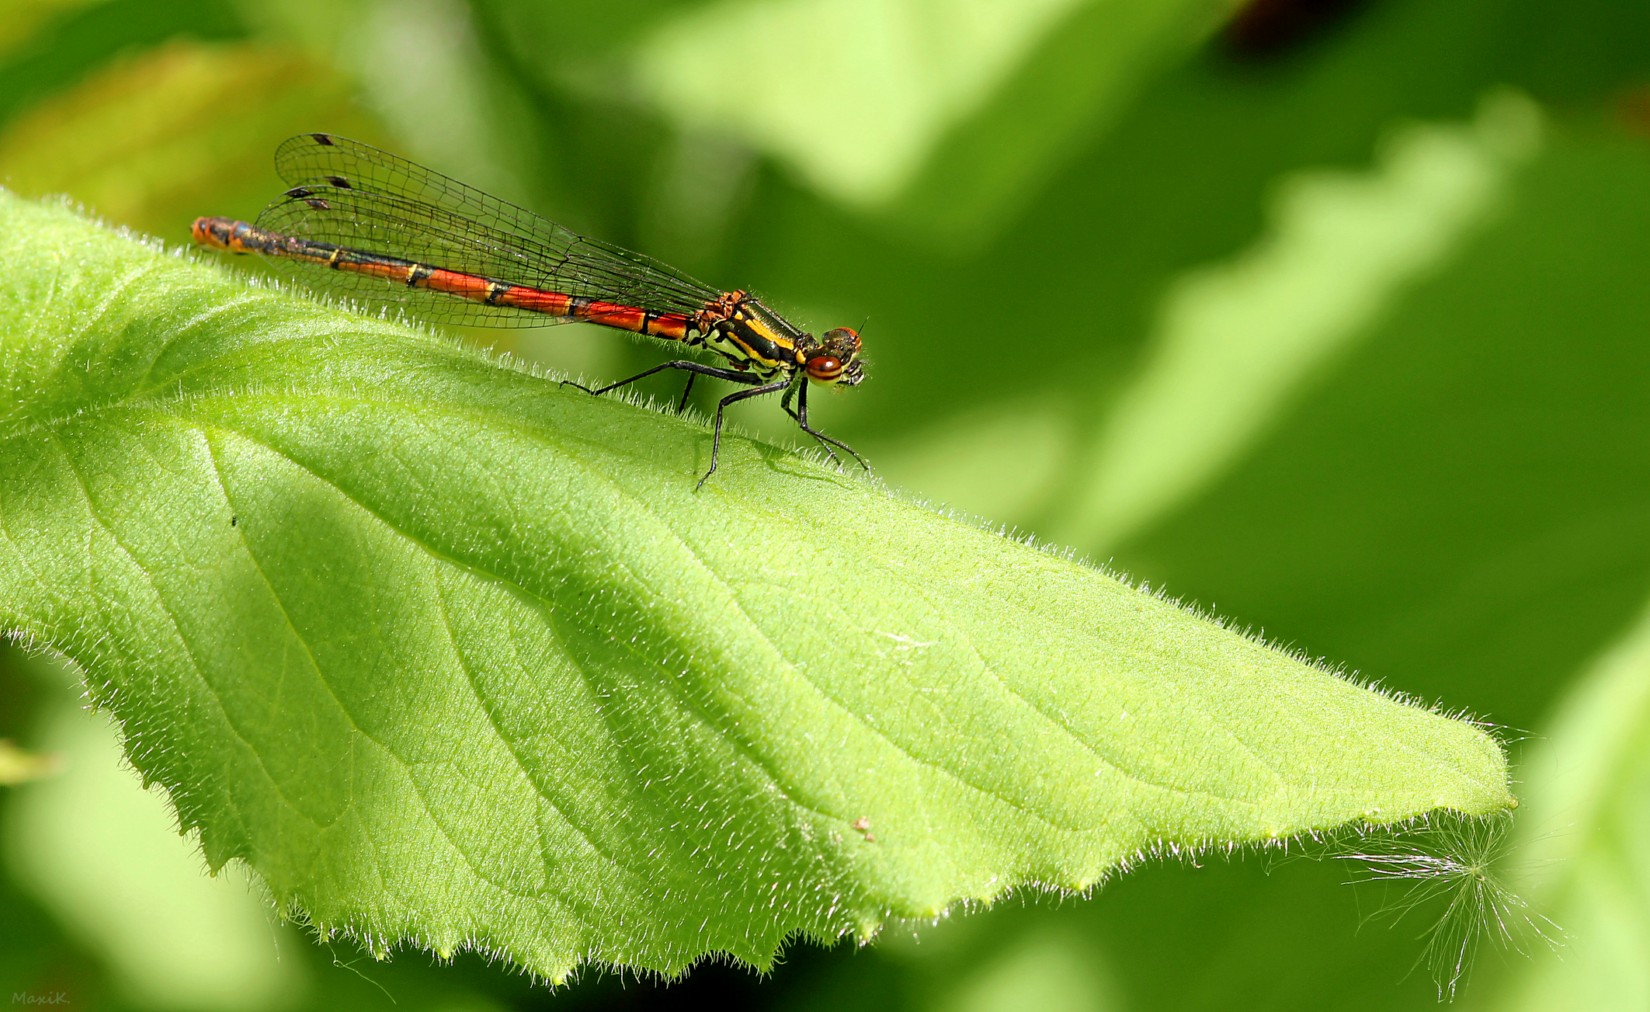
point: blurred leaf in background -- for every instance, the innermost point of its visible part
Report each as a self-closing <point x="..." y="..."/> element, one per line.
<point x="1583" y="846"/>
<point x="106" y="861"/>
<point x="1336" y="324"/>
<point x="128" y="140"/>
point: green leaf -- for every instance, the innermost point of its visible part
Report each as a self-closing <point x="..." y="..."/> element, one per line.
<point x="1582" y="854"/>
<point x="1236" y="342"/>
<point x="126" y="140"/>
<point x="451" y="654"/>
<point x="899" y="73"/>
<point x="1456" y="457"/>
<point x="863" y="98"/>
<point x="97" y="852"/>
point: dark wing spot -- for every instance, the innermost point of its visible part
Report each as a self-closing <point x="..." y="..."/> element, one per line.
<point x="323" y="139"/>
<point x="339" y="181"/>
<point x="297" y="192"/>
<point x="318" y="204"/>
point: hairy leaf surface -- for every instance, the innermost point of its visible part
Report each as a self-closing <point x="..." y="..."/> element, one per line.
<point x="451" y="654"/>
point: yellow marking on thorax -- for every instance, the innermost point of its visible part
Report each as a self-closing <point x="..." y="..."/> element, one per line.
<point x="775" y="337"/>
<point x="761" y="329"/>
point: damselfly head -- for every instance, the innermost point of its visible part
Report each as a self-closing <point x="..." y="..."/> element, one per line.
<point x="836" y="359"/>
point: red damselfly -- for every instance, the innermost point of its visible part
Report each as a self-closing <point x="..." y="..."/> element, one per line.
<point x="383" y="229"/>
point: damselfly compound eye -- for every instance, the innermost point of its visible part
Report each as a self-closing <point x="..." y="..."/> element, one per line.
<point x="824" y="369"/>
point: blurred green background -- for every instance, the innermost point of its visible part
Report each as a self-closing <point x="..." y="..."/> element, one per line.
<point x="1331" y="317"/>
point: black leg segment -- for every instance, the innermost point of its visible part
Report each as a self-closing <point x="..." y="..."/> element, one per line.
<point x="795" y="389"/>
<point x="721" y="406"/>
<point x="801" y="416"/>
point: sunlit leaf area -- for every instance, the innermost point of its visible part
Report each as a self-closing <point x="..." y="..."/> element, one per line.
<point x="1245" y="605"/>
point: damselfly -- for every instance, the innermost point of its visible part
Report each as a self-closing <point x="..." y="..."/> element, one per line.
<point x="386" y="230"/>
